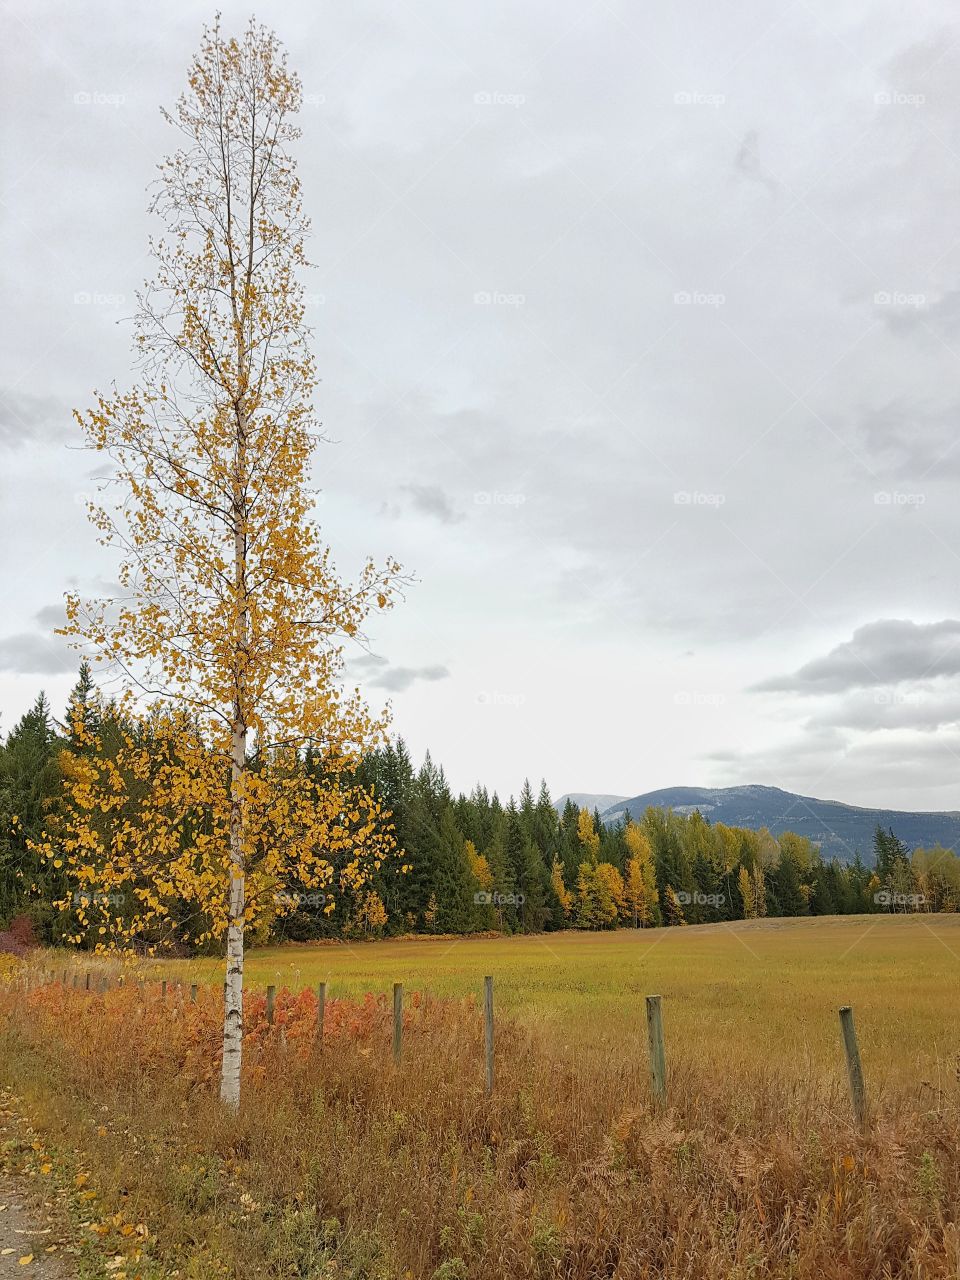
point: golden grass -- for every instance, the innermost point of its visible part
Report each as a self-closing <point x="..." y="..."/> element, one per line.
<point x="343" y="1165"/>
<point x="753" y="991"/>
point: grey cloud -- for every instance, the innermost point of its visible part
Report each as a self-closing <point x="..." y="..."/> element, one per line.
<point x="399" y="679"/>
<point x="941" y="315"/>
<point x="395" y="679"/>
<point x="31" y="654"/>
<point x="51" y="616"/>
<point x="920" y="706"/>
<point x="886" y="652"/>
<point x="432" y="501"/>
<point x="747" y="163"/>
<point x="831" y="764"/>
<point x="26" y="418"/>
<point x="428" y="500"/>
<point x="368" y="662"/>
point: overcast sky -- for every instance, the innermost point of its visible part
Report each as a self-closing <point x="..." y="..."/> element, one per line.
<point x="639" y="330"/>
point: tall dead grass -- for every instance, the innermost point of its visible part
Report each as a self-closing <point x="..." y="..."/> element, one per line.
<point x="341" y="1164"/>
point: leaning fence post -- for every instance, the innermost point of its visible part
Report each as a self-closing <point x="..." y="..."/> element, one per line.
<point x="397" y="1020"/>
<point x="858" y="1093"/>
<point x="488" y="1030"/>
<point x="271" y="996"/>
<point x="658" y="1062"/>
<point x="321" y="1011"/>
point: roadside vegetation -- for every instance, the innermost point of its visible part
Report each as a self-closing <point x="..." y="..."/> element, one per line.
<point x="340" y="1163"/>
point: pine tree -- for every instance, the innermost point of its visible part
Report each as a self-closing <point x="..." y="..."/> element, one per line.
<point x="30" y="783"/>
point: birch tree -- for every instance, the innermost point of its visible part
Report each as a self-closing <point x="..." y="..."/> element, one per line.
<point x="230" y="612"/>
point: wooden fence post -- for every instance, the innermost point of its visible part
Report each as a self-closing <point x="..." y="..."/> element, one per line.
<point x="163" y="989"/>
<point x="321" y="1012"/>
<point x="658" y="1062"/>
<point x="488" y="1030"/>
<point x="397" y="1021"/>
<point x="193" y="993"/>
<point x="87" y="986"/>
<point x="858" y="1093"/>
<point x="271" y="996"/>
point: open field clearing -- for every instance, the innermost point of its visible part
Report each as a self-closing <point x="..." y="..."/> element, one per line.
<point x="755" y="991"/>
<point x="342" y="1163"/>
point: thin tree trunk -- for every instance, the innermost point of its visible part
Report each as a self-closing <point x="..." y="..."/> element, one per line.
<point x="233" y="983"/>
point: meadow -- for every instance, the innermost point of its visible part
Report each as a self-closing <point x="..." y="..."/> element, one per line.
<point x="761" y="990"/>
<point x="343" y="1164"/>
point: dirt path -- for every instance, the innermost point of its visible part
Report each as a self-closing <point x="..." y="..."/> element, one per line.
<point x="23" y="1235"/>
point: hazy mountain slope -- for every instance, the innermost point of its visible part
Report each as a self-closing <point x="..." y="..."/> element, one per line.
<point x="587" y="800"/>
<point x="840" y="829"/>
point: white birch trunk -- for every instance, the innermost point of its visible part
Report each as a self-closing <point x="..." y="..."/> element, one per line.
<point x="233" y="982"/>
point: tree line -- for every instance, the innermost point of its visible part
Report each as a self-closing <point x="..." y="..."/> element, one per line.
<point x="472" y="863"/>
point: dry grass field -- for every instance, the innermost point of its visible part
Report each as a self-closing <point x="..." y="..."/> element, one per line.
<point x="762" y="991"/>
<point x="341" y="1164"/>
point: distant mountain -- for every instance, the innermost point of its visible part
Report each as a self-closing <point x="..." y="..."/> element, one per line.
<point x="586" y="800"/>
<point x="841" y="830"/>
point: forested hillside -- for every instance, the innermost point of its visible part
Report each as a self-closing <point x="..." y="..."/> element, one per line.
<point x="470" y="863"/>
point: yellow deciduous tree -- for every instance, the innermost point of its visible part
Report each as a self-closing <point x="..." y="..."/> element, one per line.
<point x="230" y="607"/>
<point x="587" y="835"/>
<point x="373" y="914"/>
<point x="640" y="881"/>
<point x="745" y="885"/>
<point x="600" y="900"/>
<point x="563" y="894"/>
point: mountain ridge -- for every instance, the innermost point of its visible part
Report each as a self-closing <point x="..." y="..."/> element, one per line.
<point x="841" y="830"/>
